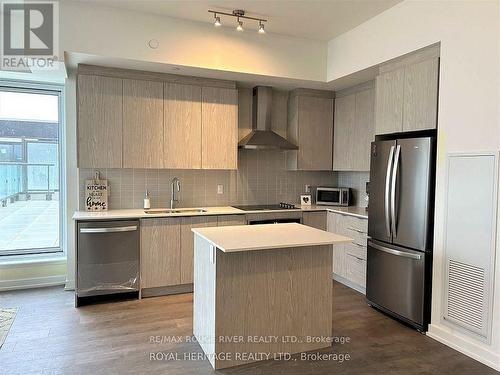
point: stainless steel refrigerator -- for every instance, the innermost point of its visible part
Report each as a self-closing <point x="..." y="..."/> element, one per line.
<point x="400" y="228"/>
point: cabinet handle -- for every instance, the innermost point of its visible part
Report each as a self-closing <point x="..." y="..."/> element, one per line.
<point x="357" y="258"/>
<point x="357" y="244"/>
<point x="109" y="229"/>
<point x="356" y="230"/>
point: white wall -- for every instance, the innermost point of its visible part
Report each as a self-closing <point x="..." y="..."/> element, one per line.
<point x="112" y="32"/>
<point x="469" y="103"/>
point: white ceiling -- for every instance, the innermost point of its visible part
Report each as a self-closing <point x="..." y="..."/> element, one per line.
<point x="313" y="19"/>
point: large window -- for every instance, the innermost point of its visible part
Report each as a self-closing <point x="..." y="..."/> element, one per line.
<point x="30" y="170"/>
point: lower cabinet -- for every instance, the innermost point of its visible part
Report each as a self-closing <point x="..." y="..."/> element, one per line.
<point x="187" y="243"/>
<point x="167" y="250"/>
<point x="315" y="219"/>
<point x="160" y="252"/>
<point x="349" y="260"/>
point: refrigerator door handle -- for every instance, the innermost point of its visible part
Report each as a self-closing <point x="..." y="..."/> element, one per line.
<point x="387" y="192"/>
<point x="393" y="189"/>
<point x="395" y="252"/>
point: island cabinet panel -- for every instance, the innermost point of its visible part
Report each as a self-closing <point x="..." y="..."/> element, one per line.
<point x="228" y="220"/>
<point x="280" y="292"/>
<point x="182" y="126"/>
<point x="187" y="243"/>
<point x="315" y="219"/>
<point x="238" y="284"/>
<point x="160" y="252"/>
<point x="100" y="121"/>
<point x="219" y="119"/>
<point x="142" y="124"/>
<point x="310" y="127"/>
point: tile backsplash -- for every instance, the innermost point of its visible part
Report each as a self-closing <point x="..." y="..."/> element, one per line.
<point x="261" y="178"/>
<point x="357" y="182"/>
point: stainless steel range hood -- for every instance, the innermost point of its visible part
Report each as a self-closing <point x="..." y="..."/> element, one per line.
<point x="262" y="137"/>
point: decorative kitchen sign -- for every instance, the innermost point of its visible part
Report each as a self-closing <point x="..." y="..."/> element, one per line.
<point x="96" y="194"/>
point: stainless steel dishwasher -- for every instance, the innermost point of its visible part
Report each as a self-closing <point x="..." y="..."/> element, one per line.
<point x="107" y="260"/>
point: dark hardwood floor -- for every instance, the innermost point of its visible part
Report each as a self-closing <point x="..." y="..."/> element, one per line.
<point x="50" y="336"/>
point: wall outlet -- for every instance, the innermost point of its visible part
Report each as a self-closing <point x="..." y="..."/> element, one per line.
<point x="220" y="189"/>
<point x="307" y="189"/>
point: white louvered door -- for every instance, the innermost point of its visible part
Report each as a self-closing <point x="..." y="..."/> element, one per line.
<point x="470" y="231"/>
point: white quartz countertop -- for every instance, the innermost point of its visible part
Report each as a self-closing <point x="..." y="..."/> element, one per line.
<point x="267" y="236"/>
<point x="224" y="210"/>
<point x="140" y="214"/>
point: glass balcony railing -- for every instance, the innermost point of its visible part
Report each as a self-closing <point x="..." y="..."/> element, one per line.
<point x="26" y="178"/>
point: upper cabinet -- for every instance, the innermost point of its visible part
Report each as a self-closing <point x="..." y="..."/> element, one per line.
<point x="310" y="127"/>
<point x="389" y="88"/>
<point x="353" y="128"/>
<point x="142" y="124"/>
<point x="134" y="119"/>
<point x="100" y="121"/>
<point x="219" y="124"/>
<point x="182" y="126"/>
<point x="407" y="93"/>
<point x="421" y="95"/>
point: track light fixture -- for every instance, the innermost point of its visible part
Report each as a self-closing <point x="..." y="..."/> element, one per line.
<point x="261" y="28"/>
<point x="217" y="20"/>
<point x="238" y="14"/>
<point x="240" y="25"/>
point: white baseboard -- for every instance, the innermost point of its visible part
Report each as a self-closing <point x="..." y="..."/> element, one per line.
<point x="36" y="282"/>
<point x="466" y="346"/>
<point x="348" y="283"/>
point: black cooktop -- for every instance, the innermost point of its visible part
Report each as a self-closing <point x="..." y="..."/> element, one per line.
<point x="266" y="207"/>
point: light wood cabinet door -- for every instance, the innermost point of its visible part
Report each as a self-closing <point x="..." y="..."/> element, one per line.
<point x="361" y="138"/>
<point x="334" y="225"/>
<point x="389" y="88"/>
<point x="142" y="124"/>
<point x="421" y="95"/>
<point x="187" y="243"/>
<point x="160" y="252"/>
<point x="355" y="267"/>
<point x="354" y="131"/>
<point x="316" y="220"/>
<point x="182" y="126"/>
<point x="99" y="122"/>
<point x="228" y="220"/>
<point x="219" y="114"/>
<point x="344" y="129"/>
<point x="315" y="133"/>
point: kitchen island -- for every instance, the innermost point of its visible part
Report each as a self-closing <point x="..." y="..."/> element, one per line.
<point x="262" y="291"/>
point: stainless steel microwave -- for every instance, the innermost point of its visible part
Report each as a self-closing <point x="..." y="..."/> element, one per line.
<point x="332" y="196"/>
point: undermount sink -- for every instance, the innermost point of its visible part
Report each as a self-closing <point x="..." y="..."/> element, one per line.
<point x="174" y="210"/>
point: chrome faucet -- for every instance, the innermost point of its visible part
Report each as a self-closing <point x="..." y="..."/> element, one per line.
<point x="174" y="185"/>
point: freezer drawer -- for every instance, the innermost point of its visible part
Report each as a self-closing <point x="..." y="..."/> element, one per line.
<point x="395" y="281"/>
